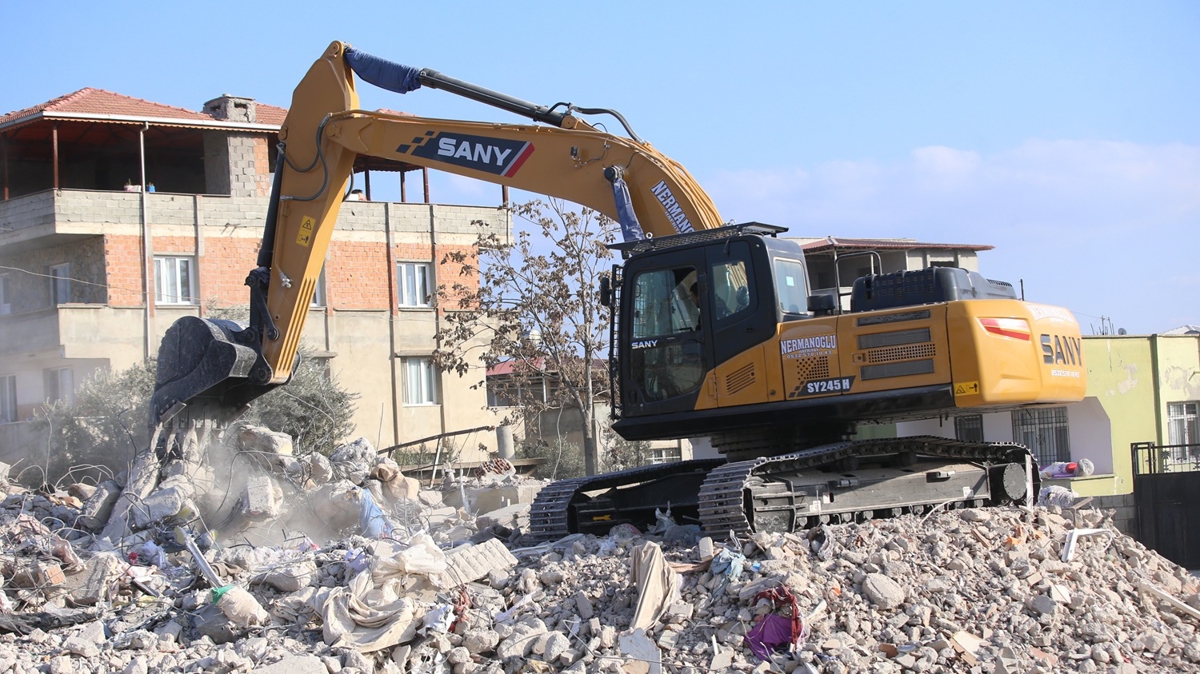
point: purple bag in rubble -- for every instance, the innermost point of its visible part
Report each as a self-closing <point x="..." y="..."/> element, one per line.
<point x="772" y="633"/>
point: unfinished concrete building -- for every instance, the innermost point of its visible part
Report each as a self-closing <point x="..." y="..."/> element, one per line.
<point x="119" y="215"/>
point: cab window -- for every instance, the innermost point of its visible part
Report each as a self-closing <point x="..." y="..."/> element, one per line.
<point x="666" y="357"/>
<point x="731" y="285"/>
<point x="662" y="303"/>
<point x="790" y="287"/>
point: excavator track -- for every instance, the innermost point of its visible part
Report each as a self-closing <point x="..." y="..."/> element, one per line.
<point x="837" y="482"/>
<point x="757" y="494"/>
<point x="561" y="506"/>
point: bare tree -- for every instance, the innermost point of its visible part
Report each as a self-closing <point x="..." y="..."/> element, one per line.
<point x="537" y="312"/>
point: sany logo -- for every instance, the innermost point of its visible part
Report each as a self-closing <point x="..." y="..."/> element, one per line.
<point x="1057" y="350"/>
<point x="498" y="156"/>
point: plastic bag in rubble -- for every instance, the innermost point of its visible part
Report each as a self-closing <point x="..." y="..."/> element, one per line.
<point x="370" y="517"/>
<point x="239" y="606"/>
<point x="1056" y="496"/>
<point x="663" y="521"/>
<point x="438" y="619"/>
<point x="153" y="555"/>
<point x="421" y="557"/>
<point x="357" y="560"/>
<point x="727" y="564"/>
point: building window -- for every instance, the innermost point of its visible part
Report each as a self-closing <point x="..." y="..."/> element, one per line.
<point x="318" y="299"/>
<point x="506" y="392"/>
<point x="60" y="385"/>
<point x="5" y="295"/>
<point x="1183" y="427"/>
<point x="665" y="454"/>
<point x="1044" y="432"/>
<point x="174" y="280"/>
<point x="60" y="283"/>
<point x="969" y="428"/>
<point x="8" y="398"/>
<point x="503" y="395"/>
<point x="413" y="279"/>
<point x="420" y="382"/>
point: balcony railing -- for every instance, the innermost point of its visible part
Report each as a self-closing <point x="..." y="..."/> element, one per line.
<point x="1150" y="458"/>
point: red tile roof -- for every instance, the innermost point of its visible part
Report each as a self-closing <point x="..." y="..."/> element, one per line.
<point x="100" y="102"/>
<point x="269" y="114"/>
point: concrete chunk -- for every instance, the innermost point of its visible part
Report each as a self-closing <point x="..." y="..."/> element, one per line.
<point x="158" y="506"/>
<point x="97" y="582"/>
<point x="261" y="499"/>
<point x="99" y="505"/>
<point x="467" y="563"/>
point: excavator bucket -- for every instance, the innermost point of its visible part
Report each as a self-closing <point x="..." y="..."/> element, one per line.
<point x="207" y="361"/>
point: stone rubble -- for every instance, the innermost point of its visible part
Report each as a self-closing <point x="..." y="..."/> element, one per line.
<point x="449" y="587"/>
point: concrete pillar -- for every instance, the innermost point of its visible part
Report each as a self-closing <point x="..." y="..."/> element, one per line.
<point x="504" y="441"/>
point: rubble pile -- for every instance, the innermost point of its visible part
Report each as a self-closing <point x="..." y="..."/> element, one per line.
<point x="344" y="564"/>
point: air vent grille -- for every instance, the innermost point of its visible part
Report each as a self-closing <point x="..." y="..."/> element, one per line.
<point x="739" y="379"/>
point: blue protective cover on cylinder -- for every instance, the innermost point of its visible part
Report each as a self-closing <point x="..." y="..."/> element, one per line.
<point x="631" y="229"/>
<point x="383" y="73"/>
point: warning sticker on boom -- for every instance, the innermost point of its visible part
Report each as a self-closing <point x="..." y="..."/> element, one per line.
<point x="307" y="224"/>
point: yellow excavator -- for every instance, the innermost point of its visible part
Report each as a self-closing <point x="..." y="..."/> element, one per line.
<point x="715" y="331"/>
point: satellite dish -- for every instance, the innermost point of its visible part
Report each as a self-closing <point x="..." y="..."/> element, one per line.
<point x="1121" y="331"/>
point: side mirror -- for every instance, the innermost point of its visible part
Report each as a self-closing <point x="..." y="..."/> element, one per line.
<point x="605" y="291"/>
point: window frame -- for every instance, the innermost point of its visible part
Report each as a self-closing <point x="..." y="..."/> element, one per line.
<point x="779" y="268"/>
<point x="319" y="300"/>
<point x="1181" y="419"/>
<point x="418" y="271"/>
<point x="1042" y="421"/>
<point x="8" y="398"/>
<point x="54" y="376"/>
<point x="60" y="283"/>
<point x="966" y="424"/>
<point x="426" y="388"/>
<point x="5" y="293"/>
<point x="160" y="291"/>
<point x="665" y="454"/>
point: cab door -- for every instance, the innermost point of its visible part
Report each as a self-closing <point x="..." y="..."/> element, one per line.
<point x="664" y="352"/>
<point x="740" y="306"/>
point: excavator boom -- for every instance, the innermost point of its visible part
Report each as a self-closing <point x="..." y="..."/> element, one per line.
<point x="622" y="177"/>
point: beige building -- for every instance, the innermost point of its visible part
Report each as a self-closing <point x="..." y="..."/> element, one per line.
<point x="119" y="216"/>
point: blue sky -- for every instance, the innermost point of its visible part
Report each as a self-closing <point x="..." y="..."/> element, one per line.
<point x="1065" y="134"/>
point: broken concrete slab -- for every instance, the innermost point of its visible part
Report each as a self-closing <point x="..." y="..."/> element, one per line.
<point x="96" y="582"/>
<point x="513" y="517"/>
<point x="288" y="576"/>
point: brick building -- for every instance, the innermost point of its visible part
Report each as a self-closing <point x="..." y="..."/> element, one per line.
<point x="119" y="215"/>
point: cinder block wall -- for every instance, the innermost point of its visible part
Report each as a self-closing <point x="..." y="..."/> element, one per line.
<point x="1125" y="515"/>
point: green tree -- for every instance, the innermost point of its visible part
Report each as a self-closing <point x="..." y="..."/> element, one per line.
<point x="102" y="430"/>
<point x="538" y="312"/>
<point x="99" y="432"/>
<point x="313" y="407"/>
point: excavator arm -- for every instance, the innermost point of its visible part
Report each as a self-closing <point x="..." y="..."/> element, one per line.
<point x="225" y="365"/>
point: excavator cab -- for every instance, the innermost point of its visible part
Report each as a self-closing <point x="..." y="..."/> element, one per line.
<point x="693" y="301"/>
